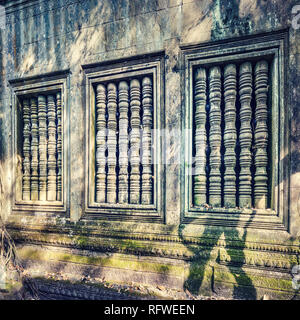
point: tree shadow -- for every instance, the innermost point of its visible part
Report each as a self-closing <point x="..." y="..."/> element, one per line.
<point x="244" y="288"/>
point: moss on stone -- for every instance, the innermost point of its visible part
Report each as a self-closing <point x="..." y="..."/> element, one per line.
<point x="113" y="261"/>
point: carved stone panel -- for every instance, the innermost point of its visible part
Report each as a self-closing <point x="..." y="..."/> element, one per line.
<point x="123" y="141"/>
<point x="147" y="121"/>
<point x="124" y="174"/>
<point x="100" y="143"/>
<point x="34" y="150"/>
<point x="42" y="159"/>
<point x="230" y="135"/>
<point x="52" y="147"/>
<point x="128" y="106"/>
<point x="42" y="140"/>
<point x="40" y="128"/>
<point x="215" y="136"/>
<point x="234" y="105"/>
<point x="245" y="134"/>
<point x="59" y="146"/>
<point x="200" y="197"/>
<point x="26" y="150"/>
<point x="111" y="143"/>
<point x="231" y="187"/>
<point x="261" y="135"/>
<point x="135" y="122"/>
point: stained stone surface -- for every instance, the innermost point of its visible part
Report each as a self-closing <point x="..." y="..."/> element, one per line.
<point x="42" y="37"/>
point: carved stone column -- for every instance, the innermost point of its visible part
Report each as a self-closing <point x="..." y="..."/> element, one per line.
<point x="215" y="136"/>
<point x="146" y="141"/>
<point x="200" y="138"/>
<point x="111" y="143"/>
<point x="59" y="146"/>
<point x="230" y="135"/>
<point x="42" y="113"/>
<point x="51" y="178"/>
<point x="100" y="143"/>
<point x="261" y="135"/>
<point x="26" y="150"/>
<point x="123" y="141"/>
<point x="135" y="103"/>
<point x="34" y="150"/>
<point x="245" y="136"/>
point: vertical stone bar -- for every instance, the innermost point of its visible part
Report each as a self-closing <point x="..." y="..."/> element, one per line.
<point x="100" y="143"/>
<point x="42" y="113"/>
<point x="261" y="135"/>
<point x="26" y="150"/>
<point x="200" y="138"/>
<point x="123" y="142"/>
<point x="245" y="136"/>
<point x="146" y="141"/>
<point x="51" y="177"/>
<point x="34" y="150"/>
<point x="59" y="147"/>
<point x="135" y="104"/>
<point x="215" y="136"/>
<point x="111" y="143"/>
<point x="230" y="135"/>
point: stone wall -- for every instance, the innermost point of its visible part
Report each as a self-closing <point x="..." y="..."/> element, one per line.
<point x="64" y="41"/>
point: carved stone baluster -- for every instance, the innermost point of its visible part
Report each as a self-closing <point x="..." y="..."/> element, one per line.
<point x="26" y="150"/>
<point x="100" y="143"/>
<point x="200" y="138"/>
<point x="51" y="178"/>
<point x="146" y="141"/>
<point x="34" y="150"/>
<point x="111" y="143"/>
<point x="59" y="146"/>
<point x="215" y="136"/>
<point x="135" y="104"/>
<point x="123" y="142"/>
<point x="261" y="135"/>
<point x="245" y="136"/>
<point x="42" y="113"/>
<point x="230" y="135"/>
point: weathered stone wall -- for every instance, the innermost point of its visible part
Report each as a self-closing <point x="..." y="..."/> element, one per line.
<point x="47" y="36"/>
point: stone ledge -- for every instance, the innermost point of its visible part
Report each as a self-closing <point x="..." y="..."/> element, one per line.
<point x="205" y="277"/>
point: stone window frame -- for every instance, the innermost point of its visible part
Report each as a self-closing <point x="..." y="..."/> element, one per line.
<point x="149" y="64"/>
<point x="45" y="83"/>
<point x="275" y="45"/>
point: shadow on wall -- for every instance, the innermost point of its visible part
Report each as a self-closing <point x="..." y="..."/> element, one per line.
<point x="201" y="258"/>
<point x="199" y="263"/>
<point x="234" y="18"/>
